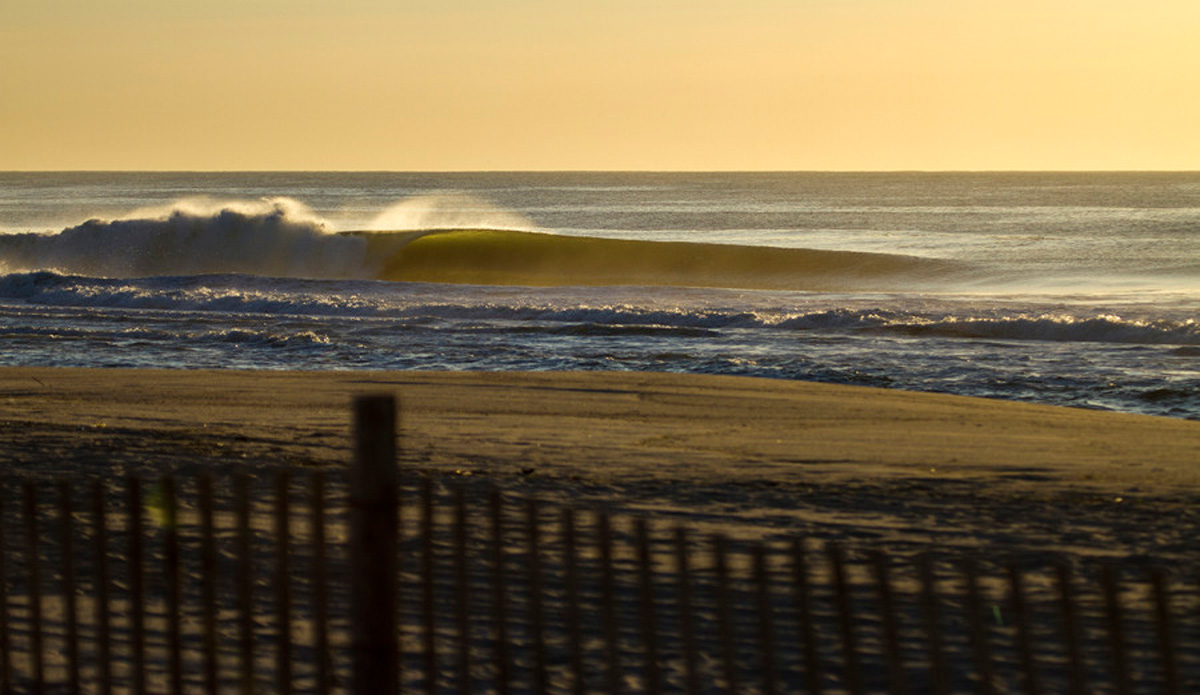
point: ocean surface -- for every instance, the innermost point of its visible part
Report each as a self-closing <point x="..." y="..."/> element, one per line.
<point x="1078" y="289"/>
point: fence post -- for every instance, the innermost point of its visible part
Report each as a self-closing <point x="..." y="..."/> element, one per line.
<point x="373" y="541"/>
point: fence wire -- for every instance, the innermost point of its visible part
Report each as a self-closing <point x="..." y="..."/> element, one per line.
<point x="241" y="585"/>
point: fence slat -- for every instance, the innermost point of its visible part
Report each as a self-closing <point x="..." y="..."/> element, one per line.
<point x="462" y="593"/>
<point x="499" y="594"/>
<point x="36" y="645"/>
<point x="649" y="626"/>
<point x="171" y="582"/>
<point x="5" y="644"/>
<point x="1024" y="636"/>
<point x="243" y="574"/>
<point x="100" y="587"/>
<point x="283" y="583"/>
<point x="573" y="615"/>
<point x="766" y="627"/>
<point x="725" y="628"/>
<point x="536" y="614"/>
<point x="803" y="602"/>
<point x="931" y="610"/>
<point x="320" y="582"/>
<point x="981" y="649"/>
<point x="66" y="543"/>
<point x="428" y="606"/>
<point x="845" y="613"/>
<point x="1110" y="587"/>
<point x="137" y="589"/>
<point x="608" y="611"/>
<point x="208" y="582"/>
<point x="897" y="678"/>
<point x="1164" y="625"/>
<point x="686" y="623"/>
<point x="1077" y="675"/>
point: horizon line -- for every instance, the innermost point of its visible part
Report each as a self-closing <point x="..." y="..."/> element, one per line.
<point x="599" y="171"/>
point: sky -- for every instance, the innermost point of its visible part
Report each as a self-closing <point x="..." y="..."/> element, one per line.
<point x="483" y="85"/>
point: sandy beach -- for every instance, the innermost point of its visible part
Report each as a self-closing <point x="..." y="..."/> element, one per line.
<point x="751" y="457"/>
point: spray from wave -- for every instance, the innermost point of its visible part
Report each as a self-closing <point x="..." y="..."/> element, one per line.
<point x="447" y="211"/>
<point x="204" y="206"/>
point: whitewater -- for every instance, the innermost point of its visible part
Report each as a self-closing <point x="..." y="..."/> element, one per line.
<point x="1079" y="289"/>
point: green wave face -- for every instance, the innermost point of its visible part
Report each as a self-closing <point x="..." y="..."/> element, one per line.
<point x="500" y="257"/>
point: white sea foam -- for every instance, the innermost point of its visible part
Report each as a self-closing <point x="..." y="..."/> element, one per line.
<point x="372" y="299"/>
<point x="274" y="237"/>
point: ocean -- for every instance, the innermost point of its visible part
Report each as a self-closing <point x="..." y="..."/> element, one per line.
<point x="1075" y="289"/>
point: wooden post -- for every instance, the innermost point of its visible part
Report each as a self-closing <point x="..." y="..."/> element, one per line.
<point x="374" y="512"/>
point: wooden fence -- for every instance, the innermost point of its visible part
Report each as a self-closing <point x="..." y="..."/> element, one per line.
<point x="264" y="582"/>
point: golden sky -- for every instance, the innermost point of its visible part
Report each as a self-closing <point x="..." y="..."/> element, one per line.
<point x="580" y="84"/>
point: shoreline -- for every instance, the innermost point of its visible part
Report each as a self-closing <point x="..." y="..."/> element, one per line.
<point x="754" y="457"/>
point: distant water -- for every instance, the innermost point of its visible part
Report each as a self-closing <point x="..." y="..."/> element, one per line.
<point x="1077" y="289"/>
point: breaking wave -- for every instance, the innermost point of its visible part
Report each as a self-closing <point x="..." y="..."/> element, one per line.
<point x="507" y="257"/>
<point x="281" y="238"/>
<point x="275" y="237"/>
